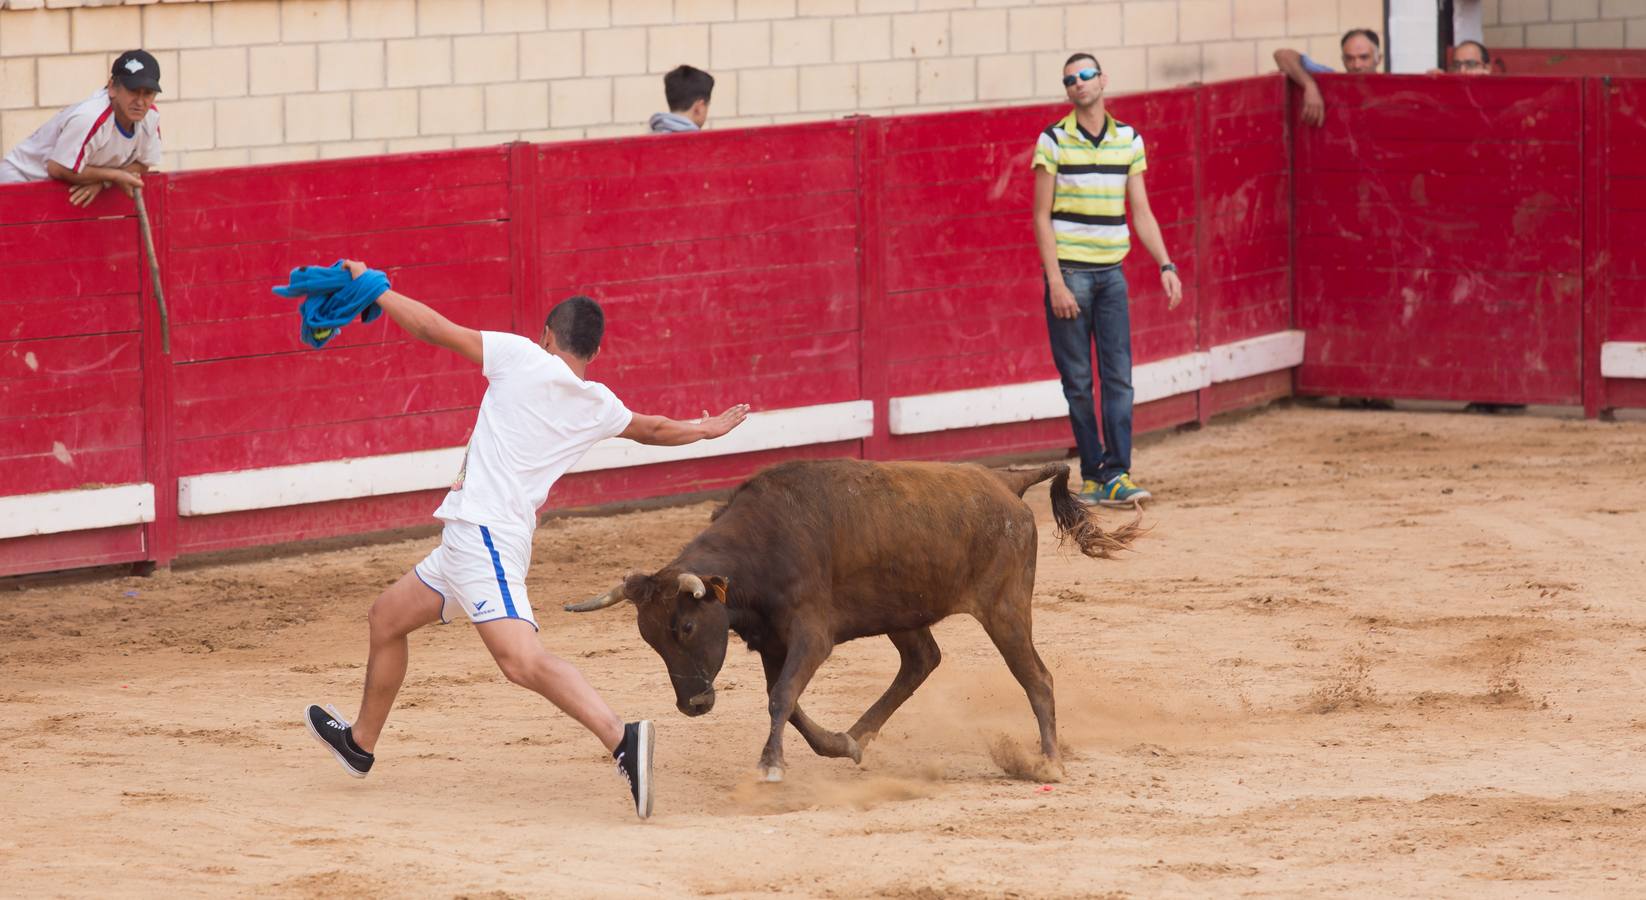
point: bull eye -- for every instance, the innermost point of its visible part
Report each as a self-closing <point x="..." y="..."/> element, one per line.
<point x="686" y="629"/>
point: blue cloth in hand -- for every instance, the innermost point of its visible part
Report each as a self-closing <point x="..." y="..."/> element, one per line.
<point x="331" y="299"/>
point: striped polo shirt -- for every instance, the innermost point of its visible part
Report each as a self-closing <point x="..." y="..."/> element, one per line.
<point x="1089" y="208"/>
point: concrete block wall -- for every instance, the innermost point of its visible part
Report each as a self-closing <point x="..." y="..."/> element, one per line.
<point x="256" y="81"/>
<point x="1564" y="23"/>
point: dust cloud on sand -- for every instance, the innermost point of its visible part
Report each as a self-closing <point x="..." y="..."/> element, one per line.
<point x="1371" y="652"/>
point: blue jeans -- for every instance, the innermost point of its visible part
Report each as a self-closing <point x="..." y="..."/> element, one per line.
<point x="1105" y="318"/>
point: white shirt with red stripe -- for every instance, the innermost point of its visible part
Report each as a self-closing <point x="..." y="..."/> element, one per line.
<point x="86" y="134"/>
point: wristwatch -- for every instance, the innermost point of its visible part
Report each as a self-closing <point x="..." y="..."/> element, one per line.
<point x="1168" y="267"/>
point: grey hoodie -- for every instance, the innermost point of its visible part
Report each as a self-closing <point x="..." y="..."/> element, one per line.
<point x="665" y="122"/>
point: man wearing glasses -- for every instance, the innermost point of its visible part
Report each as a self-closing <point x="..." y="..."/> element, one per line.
<point x="1086" y="168"/>
<point x="1471" y="58"/>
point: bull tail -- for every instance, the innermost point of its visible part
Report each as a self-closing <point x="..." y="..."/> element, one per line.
<point x="1076" y="523"/>
<point x="1018" y="482"/>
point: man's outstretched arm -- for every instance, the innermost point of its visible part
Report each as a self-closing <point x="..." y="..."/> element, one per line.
<point x="1314" y="106"/>
<point x="423" y="323"/>
<point x="666" y="432"/>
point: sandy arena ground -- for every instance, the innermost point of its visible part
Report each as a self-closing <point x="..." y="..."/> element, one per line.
<point x="1400" y="653"/>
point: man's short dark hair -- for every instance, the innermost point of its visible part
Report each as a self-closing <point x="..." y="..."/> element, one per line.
<point x="1485" y="55"/>
<point x="685" y="85"/>
<point x="1366" y="33"/>
<point x="578" y="324"/>
<point x="1080" y="56"/>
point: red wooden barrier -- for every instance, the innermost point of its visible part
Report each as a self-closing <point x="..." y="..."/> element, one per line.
<point x="1465" y="239"/>
<point x="71" y="365"/>
<point x="784" y="267"/>
<point x="250" y="395"/>
<point x="1438" y="239"/>
<point x="1618" y="260"/>
<point x="954" y="194"/>
<point x="727" y="265"/>
<point x="1244" y="286"/>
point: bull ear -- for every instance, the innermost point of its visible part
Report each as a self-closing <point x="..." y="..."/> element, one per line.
<point x="718" y="586"/>
<point x="638" y="587"/>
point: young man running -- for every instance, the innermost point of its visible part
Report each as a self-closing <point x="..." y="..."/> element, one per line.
<point x="538" y="417"/>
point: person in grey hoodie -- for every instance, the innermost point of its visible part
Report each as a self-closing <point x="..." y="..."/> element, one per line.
<point x="687" y="89"/>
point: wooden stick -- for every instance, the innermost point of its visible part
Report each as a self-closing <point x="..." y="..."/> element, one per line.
<point x="154" y="270"/>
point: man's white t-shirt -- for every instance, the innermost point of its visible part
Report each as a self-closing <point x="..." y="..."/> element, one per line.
<point x="536" y="420"/>
<point x="85" y="134"/>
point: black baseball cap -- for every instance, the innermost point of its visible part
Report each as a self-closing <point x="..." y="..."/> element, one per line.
<point x="137" y="70"/>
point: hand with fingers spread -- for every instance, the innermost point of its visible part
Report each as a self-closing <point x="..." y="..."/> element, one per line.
<point x="715" y="426"/>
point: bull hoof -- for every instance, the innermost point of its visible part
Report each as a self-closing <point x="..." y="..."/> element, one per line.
<point x="773" y="774"/>
<point x="1051" y="770"/>
<point x="854" y="750"/>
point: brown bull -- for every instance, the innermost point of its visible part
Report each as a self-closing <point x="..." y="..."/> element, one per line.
<point x="809" y="554"/>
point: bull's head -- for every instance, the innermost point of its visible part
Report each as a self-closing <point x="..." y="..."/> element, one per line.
<point x="683" y="616"/>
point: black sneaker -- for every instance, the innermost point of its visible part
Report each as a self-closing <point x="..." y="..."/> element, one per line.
<point x="330" y="728"/>
<point x="634" y="761"/>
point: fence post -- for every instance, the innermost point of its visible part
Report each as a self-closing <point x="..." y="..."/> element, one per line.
<point x="159" y="412"/>
<point x="1288" y="135"/>
<point x="1203" y="245"/>
<point x="523" y="231"/>
<point x="1594" y="278"/>
<point x="873" y="380"/>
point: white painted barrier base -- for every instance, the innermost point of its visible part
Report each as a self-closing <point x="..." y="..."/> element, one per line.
<point x="1030" y="401"/>
<point x="345" y="479"/>
<point x="1623" y="359"/>
<point x="399" y="473"/>
<point x="54" y="512"/>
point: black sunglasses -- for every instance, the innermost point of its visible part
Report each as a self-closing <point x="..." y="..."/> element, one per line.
<point x="1084" y="75"/>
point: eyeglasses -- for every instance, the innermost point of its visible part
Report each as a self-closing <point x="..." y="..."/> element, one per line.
<point x="1468" y="65"/>
<point x="1084" y="75"/>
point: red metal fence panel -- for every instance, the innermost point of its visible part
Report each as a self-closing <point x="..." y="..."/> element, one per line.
<point x="963" y="289"/>
<point x="71" y="364"/>
<point x="1464" y="239"/>
<point x="1438" y="236"/>
<point x="1620" y="260"/>
<point x="727" y="263"/>
<point x="1244" y="288"/>
<point x="249" y="394"/>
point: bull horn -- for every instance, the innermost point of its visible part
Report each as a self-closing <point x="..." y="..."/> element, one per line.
<point x="610" y="598"/>
<point x="690" y="582"/>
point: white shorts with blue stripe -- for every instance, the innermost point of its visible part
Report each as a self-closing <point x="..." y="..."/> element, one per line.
<point x="481" y="570"/>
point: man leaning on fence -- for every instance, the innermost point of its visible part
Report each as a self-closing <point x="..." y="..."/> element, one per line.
<point x="1087" y="167"/>
<point x="1362" y="55"/>
<point x="111" y="137"/>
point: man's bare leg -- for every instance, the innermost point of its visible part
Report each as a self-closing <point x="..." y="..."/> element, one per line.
<point x="513" y="643"/>
<point x="406" y="606"/>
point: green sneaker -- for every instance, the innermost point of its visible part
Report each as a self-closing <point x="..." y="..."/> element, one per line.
<point x="1117" y="491"/>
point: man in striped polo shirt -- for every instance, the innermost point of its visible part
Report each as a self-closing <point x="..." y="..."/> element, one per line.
<point x="1086" y="168"/>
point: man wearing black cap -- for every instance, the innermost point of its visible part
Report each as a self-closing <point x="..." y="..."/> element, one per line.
<point x="111" y="137"/>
